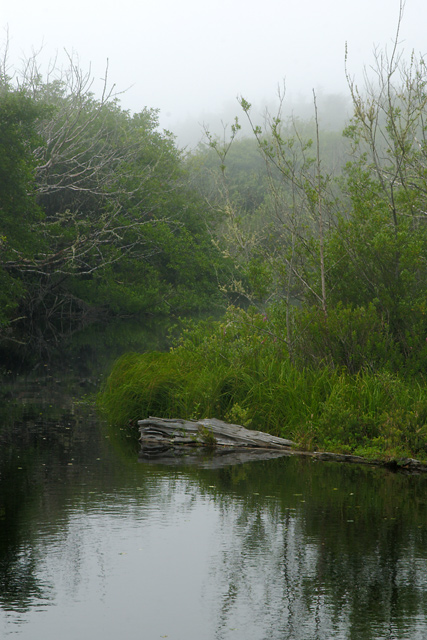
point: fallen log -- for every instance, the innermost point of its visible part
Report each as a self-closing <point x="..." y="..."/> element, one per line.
<point x="217" y="444"/>
<point x="209" y="432"/>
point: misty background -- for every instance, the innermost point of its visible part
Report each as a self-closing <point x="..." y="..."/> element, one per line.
<point x="191" y="60"/>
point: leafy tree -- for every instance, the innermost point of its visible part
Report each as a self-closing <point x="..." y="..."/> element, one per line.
<point x="19" y="211"/>
<point x="349" y="242"/>
<point x="110" y="221"/>
<point x="378" y="249"/>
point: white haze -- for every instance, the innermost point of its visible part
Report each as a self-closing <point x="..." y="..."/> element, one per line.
<point x="191" y="59"/>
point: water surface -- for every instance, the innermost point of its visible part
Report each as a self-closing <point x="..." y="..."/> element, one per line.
<point x="97" y="545"/>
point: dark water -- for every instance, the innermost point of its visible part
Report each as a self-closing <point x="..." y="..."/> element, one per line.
<point x="96" y="545"/>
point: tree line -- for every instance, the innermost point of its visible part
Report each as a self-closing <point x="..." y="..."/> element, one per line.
<point x="102" y="215"/>
<point x="328" y="237"/>
<point x="97" y="214"/>
<point x="330" y="231"/>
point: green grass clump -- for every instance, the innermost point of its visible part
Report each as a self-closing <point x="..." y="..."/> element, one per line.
<point x="238" y="371"/>
<point x="374" y="414"/>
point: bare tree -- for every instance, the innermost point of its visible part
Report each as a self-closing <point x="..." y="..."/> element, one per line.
<point x="302" y="201"/>
<point x="389" y="125"/>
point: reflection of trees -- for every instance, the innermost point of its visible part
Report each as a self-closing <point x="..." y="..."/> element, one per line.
<point x="19" y="585"/>
<point x="322" y="564"/>
<point x="58" y="469"/>
<point x="41" y="429"/>
<point x="302" y="550"/>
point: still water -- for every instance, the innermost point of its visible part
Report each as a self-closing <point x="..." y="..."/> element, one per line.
<point x="96" y="545"/>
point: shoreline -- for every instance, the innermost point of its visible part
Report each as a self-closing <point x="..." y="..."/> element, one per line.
<point x="405" y="465"/>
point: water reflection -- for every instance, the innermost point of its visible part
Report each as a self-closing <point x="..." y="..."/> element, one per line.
<point x="346" y="554"/>
<point x="94" y="544"/>
<point x="299" y="571"/>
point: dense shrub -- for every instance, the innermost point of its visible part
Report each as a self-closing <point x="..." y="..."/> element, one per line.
<point x="236" y="370"/>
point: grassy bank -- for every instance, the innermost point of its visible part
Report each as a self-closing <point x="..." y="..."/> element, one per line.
<point x="240" y="374"/>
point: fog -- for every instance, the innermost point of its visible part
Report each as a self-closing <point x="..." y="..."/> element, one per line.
<point x="191" y="59"/>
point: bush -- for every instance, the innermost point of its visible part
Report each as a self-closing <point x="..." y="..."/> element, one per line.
<point x="234" y="370"/>
<point x="350" y="338"/>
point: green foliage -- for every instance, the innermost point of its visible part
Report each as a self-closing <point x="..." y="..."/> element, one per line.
<point x="334" y="255"/>
<point x="101" y="215"/>
<point x="243" y="167"/>
<point x="350" y="338"/>
<point x="18" y="138"/>
<point x="236" y="370"/>
<point x="97" y="216"/>
<point x="206" y="436"/>
<point x="368" y="413"/>
<point x="375" y="264"/>
<point x="19" y="212"/>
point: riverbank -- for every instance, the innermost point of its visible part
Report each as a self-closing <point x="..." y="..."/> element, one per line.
<point x="378" y="416"/>
<point x="403" y="465"/>
<point x="211" y="444"/>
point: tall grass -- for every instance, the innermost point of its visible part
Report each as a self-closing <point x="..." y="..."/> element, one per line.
<point x="231" y="372"/>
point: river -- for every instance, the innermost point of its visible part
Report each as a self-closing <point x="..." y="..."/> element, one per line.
<point x="97" y="545"/>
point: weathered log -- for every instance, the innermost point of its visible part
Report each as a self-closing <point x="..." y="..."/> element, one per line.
<point x="169" y="441"/>
<point x="207" y="432"/>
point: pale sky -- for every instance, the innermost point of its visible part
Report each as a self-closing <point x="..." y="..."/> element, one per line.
<point x="191" y="57"/>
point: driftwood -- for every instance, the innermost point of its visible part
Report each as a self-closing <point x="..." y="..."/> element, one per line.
<point x="158" y="432"/>
<point x="211" y="443"/>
